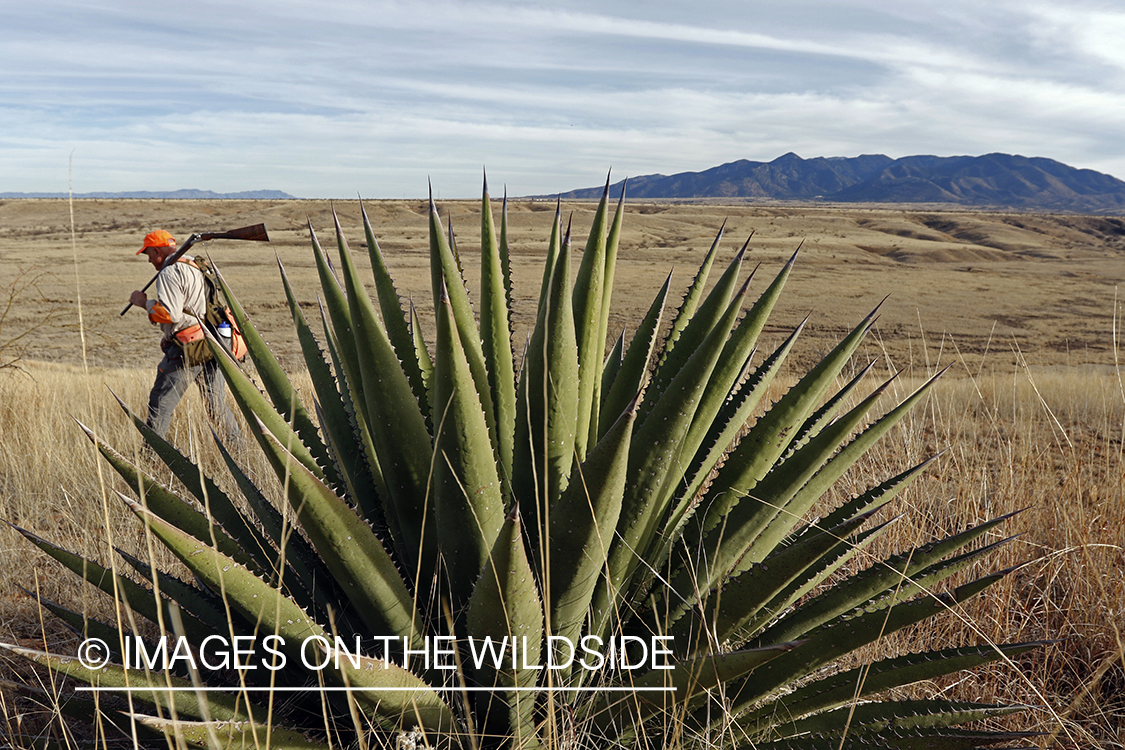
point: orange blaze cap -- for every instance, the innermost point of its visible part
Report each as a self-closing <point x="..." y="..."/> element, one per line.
<point x="159" y="238"/>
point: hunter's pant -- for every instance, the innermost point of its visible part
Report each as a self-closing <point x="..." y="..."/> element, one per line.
<point x="173" y="377"/>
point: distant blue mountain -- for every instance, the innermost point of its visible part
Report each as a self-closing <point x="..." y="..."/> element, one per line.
<point x="992" y="180"/>
<point x="252" y="195"/>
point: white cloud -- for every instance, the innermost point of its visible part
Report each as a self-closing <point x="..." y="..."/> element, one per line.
<point x="351" y="95"/>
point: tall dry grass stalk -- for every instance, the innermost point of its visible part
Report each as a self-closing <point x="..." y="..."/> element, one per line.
<point x="1044" y="441"/>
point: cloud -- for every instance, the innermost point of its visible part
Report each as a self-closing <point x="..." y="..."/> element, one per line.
<point x="342" y="96"/>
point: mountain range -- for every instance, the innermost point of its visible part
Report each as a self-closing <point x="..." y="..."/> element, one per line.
<point x="989" y="181"/>
<point x="250" y="195"/>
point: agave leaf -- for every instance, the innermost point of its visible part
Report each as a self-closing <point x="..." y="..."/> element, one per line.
<point x="182" y="698"/>
<point x="827" y="472"/>
<point x="554" y="246"/>
<point x="916" y="739"/>
<point x="875" y="496"/>
<point x="171" y="506"/>
<point x="216" y="502"/>
<point x="505" y="253"/>
<point x="361" y="429"/>
<point x="277" y="385"/>
<point x="683" y="681"/>
<point x="452" y="239"/>
<point x="845" y="687"/>
<point x="231" y="735"/>
<point x="209" y="609"/>
<point x="394" y="317"/>
<point x="612" y="243"/>
<point x="843" y="551"/>
<point x="505" y="606"/>
<point x="468" y="502"/>
<point x="825" y="414"/>
<point x="725" y="613"/>
<point x="333" y="413"/>
<point x="353" y="554"/>
<point x="80" y="623"/>
<point x="665" y="428"/>
<point x="339" y="334"/>
<point x="633" y="373"/>
<point x="257" y="409"/>
<point x="145" y="602"/>
<point x="255" y="599"/>
<point x="754" y="456"/>
<point x="496" y="331"/>
<point x="733" y="362"/>
<point x="725" y="429"/>
<point x="610" y="367"/>
<point x="691" y="298"/>
<point x="745" y="337"/>
<point x="276" y="614"/>
<point x="295" y="552"/>
<point x="771" y="435"/>
<point x="587" y="304"/>
<point x="445" y="269"/>
<point x="867" y="718"/>
<point x="336" y="303"/>
<point x="547" y="403"/>
<point x="654" y="468"/>
<point x="201" y="604"/>
<point x="705" y="318"/>
<point x="397" y="427"/>
<point x="395" y="694"/>
<point x="582" y="527"/>
<point x="867" y="585"/>
<point x="424" y="359"/>
<point x="756" y="525"/>
<point x="927" y="579"/>
<point x="830" y="643"/>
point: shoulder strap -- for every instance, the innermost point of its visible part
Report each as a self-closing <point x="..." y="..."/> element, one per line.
<point x="215" y="303"/>
<point x="203" y="265"/>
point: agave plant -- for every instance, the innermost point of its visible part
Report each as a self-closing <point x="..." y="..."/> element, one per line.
<point x="563" y="548"/>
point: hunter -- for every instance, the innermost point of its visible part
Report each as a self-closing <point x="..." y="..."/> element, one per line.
<point x="180" y="304"/>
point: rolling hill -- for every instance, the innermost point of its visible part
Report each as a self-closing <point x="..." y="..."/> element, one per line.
<point x="989" y="181"/>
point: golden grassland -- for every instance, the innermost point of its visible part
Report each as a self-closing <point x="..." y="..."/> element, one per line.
<point x="1044" y="281"/>
<point x="1030" y="418"/>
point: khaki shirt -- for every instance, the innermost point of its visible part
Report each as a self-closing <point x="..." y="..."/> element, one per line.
<point x="181" y="297"/>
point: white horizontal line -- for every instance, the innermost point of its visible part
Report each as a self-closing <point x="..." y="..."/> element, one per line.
<point x="288" y="689"/>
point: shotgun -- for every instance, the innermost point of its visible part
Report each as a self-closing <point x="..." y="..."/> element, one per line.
<point x="256" y="233"/>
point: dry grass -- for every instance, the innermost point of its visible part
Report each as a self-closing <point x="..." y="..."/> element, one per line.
<point x="1046" y="439"/>
<point x="983" y="278"/>
<point x="1049" y="444"/>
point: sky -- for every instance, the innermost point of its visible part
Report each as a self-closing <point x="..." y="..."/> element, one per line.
<point x="339" y="98"/>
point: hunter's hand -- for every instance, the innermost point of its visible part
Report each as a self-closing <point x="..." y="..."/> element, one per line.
<point x="138" y="298"/>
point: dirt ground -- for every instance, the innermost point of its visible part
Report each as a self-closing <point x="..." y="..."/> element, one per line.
<point x="960" y="283"/>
